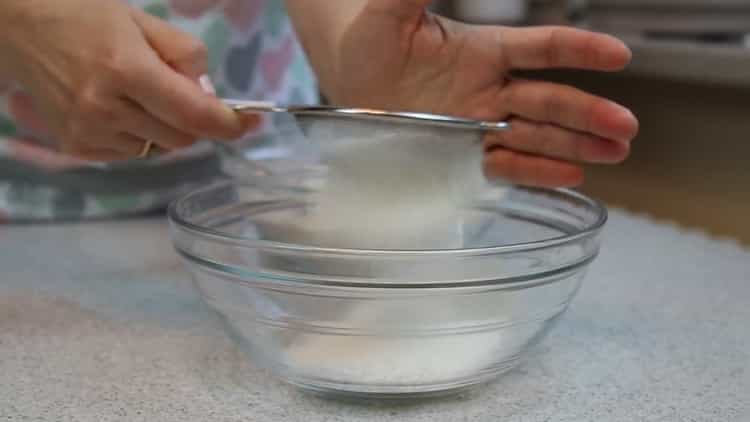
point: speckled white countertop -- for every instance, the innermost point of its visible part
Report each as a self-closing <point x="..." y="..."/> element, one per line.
<point x="98" y="322"/>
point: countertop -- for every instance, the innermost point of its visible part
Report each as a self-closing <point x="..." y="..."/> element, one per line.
<point x="99" y="322"/>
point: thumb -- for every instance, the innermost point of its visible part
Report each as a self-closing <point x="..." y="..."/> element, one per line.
<point x="176" y="48"/>
<point x="407" y="11"/>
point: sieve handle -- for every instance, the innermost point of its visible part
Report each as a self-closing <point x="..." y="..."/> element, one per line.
<point x="246" y="106"/>
<point x="254" y="106"/>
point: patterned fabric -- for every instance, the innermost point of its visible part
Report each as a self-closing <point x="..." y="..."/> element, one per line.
<point x="253" y="53"/>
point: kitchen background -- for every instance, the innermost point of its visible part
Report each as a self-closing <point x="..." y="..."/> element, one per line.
<point x="689" y="84"/>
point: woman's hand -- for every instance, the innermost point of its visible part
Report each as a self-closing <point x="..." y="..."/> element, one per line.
<point x="393" y="54"/>
<point x="106" y="77"/>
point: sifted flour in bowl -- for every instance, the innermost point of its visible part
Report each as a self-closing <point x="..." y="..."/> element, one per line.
<point x="394" y="360"/>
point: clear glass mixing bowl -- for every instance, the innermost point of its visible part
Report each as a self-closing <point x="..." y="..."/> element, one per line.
<point x="386" y="323"/>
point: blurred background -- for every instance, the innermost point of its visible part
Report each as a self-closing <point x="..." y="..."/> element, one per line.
<point x="689" y="84"/>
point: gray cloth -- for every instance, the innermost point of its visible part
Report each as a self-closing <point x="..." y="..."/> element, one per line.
<point x="99" y="322"/>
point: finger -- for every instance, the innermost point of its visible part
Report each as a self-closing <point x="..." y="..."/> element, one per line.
<point x="562" y="47"/>
<point x="523" y="169"/>
<point x="90" y="153"/>
<point x="568" y="107"/>
<point x="556" y="142"/>
<point x="107" y="147"/>
<point x="28" y="151"/>
<point x="128" y="145"/>
<point x="178" y="49"/>
<point x="21" y="106"/>
<point x="143" y="125"/>
<point x="181" y="103"/>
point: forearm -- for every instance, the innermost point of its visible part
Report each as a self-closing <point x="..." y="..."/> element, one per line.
<point x="320" y="25"/>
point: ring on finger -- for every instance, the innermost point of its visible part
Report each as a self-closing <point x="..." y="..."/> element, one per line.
<point x="146" y="150"/>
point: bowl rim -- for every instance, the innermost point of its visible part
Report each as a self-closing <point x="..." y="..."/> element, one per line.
<point x="591" y="230"/>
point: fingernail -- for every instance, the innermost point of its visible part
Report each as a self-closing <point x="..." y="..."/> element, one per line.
<point x="620" y="121"/>
<point x="207" y="85"/>
<point x="624" y="111"/>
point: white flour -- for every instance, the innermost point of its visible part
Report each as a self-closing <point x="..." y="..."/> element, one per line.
<point x="383" y="358"/>
<point x="414" y="361"/>
<point x="391" y="189"/>
<point x="388" y="189"/>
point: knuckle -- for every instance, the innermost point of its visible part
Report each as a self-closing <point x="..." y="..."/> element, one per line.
<point x="509" y="97"/>
<point x="191" y="57"/>
<point x="191" y="117"/>
<point x="578" y="147"/>
<point x="92" y="109"/>
<point x="115" y="68"/>
<point x="196" y="50"/>
<point x="552" y="105"/>
<point x="592" y="108"/>
<point x="85" y="100"/>
<point x="553" y="43"/>
<point x="539" y="138"/>
<point x="588" y="50"/>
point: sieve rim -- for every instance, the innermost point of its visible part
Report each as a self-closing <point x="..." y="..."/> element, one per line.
<point x="428" y="119"/>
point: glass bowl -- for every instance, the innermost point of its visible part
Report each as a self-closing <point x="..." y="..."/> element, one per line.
<point x="386" y="323"/>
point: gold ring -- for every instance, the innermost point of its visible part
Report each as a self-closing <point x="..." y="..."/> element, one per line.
<point x="146" y="149"/>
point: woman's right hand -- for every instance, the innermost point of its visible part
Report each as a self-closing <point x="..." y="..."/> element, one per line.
<point x="107" y="77"/>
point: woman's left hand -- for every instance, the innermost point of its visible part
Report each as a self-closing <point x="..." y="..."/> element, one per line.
<point x="397" y="55"/>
